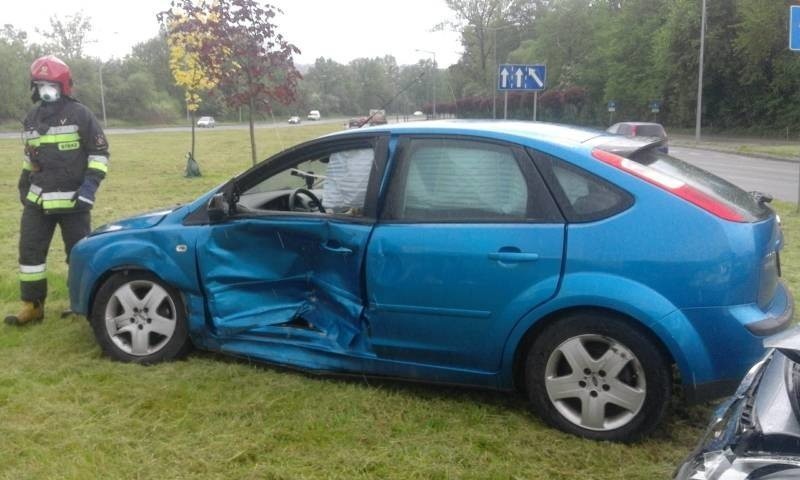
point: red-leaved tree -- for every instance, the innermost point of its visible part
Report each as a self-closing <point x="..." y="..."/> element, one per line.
<point x="254" y="62"/>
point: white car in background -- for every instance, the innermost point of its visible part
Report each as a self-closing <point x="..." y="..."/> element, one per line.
<point x="206" y="122"/>
<point x="314" y="115"/>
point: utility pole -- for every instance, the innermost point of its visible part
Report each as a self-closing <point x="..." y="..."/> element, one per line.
<point x="433" y="79"/>
<point x="699" y="112"/>
<point x="103" y="96"/>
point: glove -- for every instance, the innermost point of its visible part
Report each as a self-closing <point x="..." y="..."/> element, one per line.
<point x="85" y="194"/>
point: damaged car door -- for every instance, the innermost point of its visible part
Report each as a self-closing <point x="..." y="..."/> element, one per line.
<point x="286" y="262"/>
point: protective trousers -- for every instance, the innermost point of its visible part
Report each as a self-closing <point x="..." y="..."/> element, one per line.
<point x="36" y="233"/>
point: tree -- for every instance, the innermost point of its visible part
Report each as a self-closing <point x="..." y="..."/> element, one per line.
<point x="15" y="57"/>
<point x="240" y="42"/>
<point x="67" y="38"/>
<point x="185" y="57"/>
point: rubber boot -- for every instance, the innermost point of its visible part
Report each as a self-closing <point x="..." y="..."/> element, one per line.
<point x="31" y="312"/>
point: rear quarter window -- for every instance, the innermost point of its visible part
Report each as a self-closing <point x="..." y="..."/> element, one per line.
<point x="582" y="196"/>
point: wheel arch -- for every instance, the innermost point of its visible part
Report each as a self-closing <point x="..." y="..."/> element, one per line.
<point x="533" y="332"/>
<point x="103" y="278"/>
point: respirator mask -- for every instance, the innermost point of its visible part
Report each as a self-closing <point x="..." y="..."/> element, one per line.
<point x="48" y="91"/>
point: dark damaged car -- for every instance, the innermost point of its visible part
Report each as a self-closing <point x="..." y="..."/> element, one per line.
<point x="756" y="433"/>
<point x="571" y="264"/>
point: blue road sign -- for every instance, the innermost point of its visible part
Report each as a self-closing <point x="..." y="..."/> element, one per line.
<point x="655" y="106"/>
<point x="521" y="77"/>
<point x="612" y="106"/>
<point x="794" y="27"/>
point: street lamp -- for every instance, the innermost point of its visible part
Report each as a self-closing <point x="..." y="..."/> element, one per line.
<point x="433" y="79"/>
<point x="103" y="95"/>
<point x="698" y="113"/>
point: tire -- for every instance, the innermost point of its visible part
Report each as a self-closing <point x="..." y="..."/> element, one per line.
<point x="138" y="318"/>
<point x="596" y="376"/>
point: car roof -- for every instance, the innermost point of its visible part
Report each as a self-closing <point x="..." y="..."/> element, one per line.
<point x="538" y="131"/>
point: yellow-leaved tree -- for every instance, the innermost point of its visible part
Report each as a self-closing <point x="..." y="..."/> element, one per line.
<point x="195" y="77"/>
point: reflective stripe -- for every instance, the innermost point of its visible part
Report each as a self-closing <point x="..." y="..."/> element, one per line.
<point x="50" y="139"/>
<point x="98" y="166"/>
<point x="32" y="268"/>
<point x="98" y="158"/>
<point x="26" y="163"/>
<point x="62" y="129"/>
<point x="86" y="200"/>
<point x="58" y="200"/>
<point x="57" y="195"/>
<point x="32" y="277"/>
<point x="33" y="194"/>
<point x="57" y="204"/>
<point x="32" y="273"/>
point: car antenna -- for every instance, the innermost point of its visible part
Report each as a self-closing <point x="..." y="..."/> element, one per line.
<point x="389" y="102"/>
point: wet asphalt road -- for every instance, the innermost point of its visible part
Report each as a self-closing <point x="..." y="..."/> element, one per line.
<point x="777" y="178"/>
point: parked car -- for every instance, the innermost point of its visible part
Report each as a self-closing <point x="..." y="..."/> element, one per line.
<point x="572" y="264"/>
<point x="314" y="115"/>
<point x="418" y="113"/>
<point x="206" y="122"/>
<point x="294" y="120"/>
<point x="641" y="129"/>
<point x="756" y="432"/>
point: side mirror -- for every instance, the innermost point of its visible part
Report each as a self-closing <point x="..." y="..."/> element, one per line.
<point x="218" y="208"/>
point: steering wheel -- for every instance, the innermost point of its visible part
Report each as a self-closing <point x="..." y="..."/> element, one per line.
<point x="314" y="201"/>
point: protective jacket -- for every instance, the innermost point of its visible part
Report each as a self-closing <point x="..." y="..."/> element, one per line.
<point x="66" y="157"/>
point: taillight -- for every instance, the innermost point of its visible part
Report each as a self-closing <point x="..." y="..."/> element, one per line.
<point x="671" y="184"/>
<point x="633" y="131"/>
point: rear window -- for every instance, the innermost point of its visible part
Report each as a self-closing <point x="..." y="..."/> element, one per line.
<point x="710" y="184"/>
<point x="650" y="131"/>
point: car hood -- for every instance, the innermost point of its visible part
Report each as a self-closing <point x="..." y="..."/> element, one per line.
<point x="145" y="220"/>
<point x="756" y="432"/>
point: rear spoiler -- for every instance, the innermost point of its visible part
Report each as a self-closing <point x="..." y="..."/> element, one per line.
<point x="628" y="147"/>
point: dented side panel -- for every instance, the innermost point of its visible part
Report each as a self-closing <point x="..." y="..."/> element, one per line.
<point x="277" y="271"/>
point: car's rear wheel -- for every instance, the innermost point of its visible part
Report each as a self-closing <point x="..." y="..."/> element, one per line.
<point x="596" y="376"/>
<point x="136" y="317"/>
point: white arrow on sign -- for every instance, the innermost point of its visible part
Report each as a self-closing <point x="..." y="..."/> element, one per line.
<point x="504" y="74"/>
<point x="532" y="73"/>
<point x="519" y="76"/>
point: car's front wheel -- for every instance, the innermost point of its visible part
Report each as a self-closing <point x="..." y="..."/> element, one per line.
<point x="596" y="376"/>
<point x="136" y="317"/>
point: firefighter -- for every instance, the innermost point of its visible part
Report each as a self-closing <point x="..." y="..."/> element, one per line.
<point x="66" y="157"/>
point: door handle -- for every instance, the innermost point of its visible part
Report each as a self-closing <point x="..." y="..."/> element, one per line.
<point x="336" y="248"/>
<point x="513" y="257"/>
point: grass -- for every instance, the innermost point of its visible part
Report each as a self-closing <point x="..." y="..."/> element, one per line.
<point x="68" y="412"/>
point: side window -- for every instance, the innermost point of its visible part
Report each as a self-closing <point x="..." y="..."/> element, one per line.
<point x="336" y="179"/>
<point x="458" y="180"/>
<point x="583" y="196"/>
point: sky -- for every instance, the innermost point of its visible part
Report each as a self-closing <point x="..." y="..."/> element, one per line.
<point x="337" y="29"/>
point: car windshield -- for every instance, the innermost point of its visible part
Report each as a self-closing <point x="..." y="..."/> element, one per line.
<point x="710" y="184"/>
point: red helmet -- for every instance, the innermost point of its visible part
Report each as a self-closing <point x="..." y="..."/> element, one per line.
<point x="51" y="69"/>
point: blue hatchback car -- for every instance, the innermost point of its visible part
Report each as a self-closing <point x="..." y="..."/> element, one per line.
<point x="571" y="264"/>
